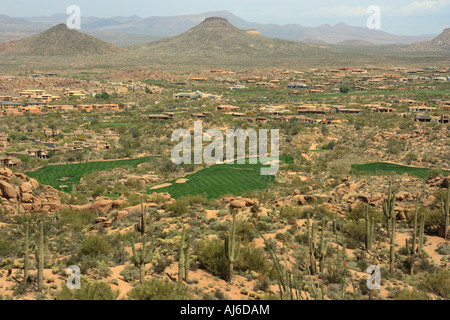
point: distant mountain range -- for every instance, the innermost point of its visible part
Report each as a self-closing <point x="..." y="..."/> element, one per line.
<point x="214" y="43"/>
<point x="125" y="31"/>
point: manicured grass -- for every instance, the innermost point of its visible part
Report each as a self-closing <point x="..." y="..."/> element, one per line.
<point x="380" y="168"/>
<point x="220" y="180"/>
<point x="64" y="176"/>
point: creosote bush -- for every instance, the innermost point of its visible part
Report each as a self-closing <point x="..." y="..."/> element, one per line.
<point x="156" y="289"/>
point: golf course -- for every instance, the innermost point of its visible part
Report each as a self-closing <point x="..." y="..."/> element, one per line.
<point x="383" y="168"/>
<point x="63" y="176"/>
<point x="219" y="180"/>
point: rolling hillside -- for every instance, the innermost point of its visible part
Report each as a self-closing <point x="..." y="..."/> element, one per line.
<point x="217" y="41"/>
<point x="59" y="41"/>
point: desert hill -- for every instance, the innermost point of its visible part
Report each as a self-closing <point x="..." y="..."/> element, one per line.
<point x="59" y="40"/>
<point x="215" y="39"/>
<point x="440" y="43"/>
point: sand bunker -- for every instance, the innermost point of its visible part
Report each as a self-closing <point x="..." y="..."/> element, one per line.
<point x="181" y="180"/>
<point x="161" y="186"/>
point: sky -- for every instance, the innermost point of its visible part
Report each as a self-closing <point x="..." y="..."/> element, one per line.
<point x="401" y="17"/>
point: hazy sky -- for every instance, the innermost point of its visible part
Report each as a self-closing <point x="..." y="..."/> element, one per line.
<point x="404" y="17"/>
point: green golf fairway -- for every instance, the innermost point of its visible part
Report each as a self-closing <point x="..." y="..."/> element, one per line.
<point x="378" y="168"/>
<point x="220" y="180"/>
<point x="63" y="176"/>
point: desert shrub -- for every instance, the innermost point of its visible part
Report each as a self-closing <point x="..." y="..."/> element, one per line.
<point x="178" y="208"/>
<point x="437" y="283"/>
<point x="75" y="219"/>
<point x="433" y="219"/>
<point x="7" y="246"/>
<point x="395" y="146"/>
<point x="292" y="212"/>
<point x="344" y="89"/>
<point x="322" y="211"/>
<point x="336" y="272"/>
<point x="199" y="199"/>
<point x="20" y="288"/>
<point x="246" y="231"/>
<point x="101" y="270"/>
<point x="98" y="290"/>
<point x="362" y="265"/>
<point x="410" y="295"/>
<point x="95" y="246"/>
<point x="355" y="233"/>
<point x="262" y="284"/>
<point x="252" y="259"/>
<point x="433" y="173"/>
<point x="211" y="256"/>
<point x="362" y="286"/>
<point x="161" y="264"/>
<point x="214" y="295"/>
<point x="156" y="289"/>
<point x="130" y="273"/>
<point x="120" y="255"/>
<point x="334" y="291"/>
<point x="360" y="213"/>
<point x="263" y="226"/>
<point x="443" y="248"/>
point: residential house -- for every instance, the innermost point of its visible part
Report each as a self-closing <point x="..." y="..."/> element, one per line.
<point x="227" y="108"/>
<point x="420" y="109"/>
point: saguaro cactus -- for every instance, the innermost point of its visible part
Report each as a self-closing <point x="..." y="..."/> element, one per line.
<point x="187" y="259"/>
<point x="392" y="248"/>
<point x="181" y="266"/>
<point x="321" y="251"/>
<point x="144" y="256"/>
<point x="310" y="236"/>
<point x="421" y="234"/>
<point x="140" y="225"/>
<point x="40" y="257"/>
<point x="232" y="247"/>
<point x="445" y="199"/>
<point x="388" y="209"/>
<point x="26" y="253"/>
<point x="370" y="228"/>
<point x="412" y="252"/>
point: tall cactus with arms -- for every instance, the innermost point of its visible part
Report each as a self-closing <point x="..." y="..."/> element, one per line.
<point x="232" y="247"/>
<point x="144" y="256"/>
<point x="388" y="209"/>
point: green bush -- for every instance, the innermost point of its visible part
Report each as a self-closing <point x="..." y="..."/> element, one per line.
<point x="344" y="89"/>
<point x="437" y="283"/>
<point x="75" y="219"/>
<point x="211" y="256"/>
<point x="335" y="272"/>
<point x="252" y="259"/>
<point x="95" y="246"/>
<point x="178" y="208"/>
<point x="355" y="233"/>
<point x="130" y="273"/>
<point x="395" y="146"/>
<point x="156" y="289"/>
<point x="98" y="290"/>
<point x="410" y="295"/>
<point x="292" y="212"/>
